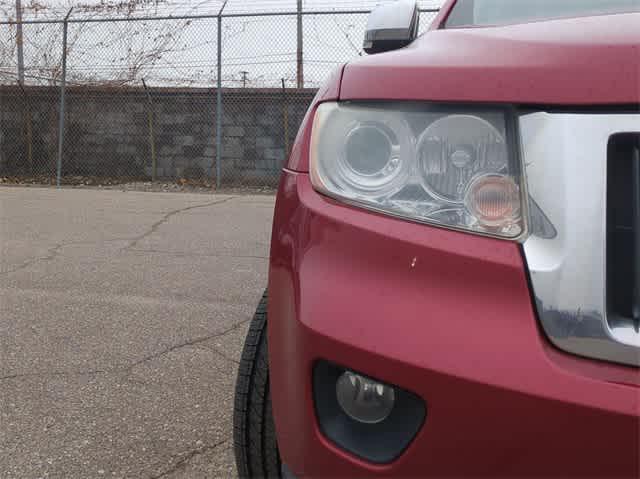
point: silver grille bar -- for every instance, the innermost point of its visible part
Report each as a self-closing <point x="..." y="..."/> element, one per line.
<point x="565" y="157"/>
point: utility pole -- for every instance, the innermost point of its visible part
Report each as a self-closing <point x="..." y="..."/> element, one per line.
<point x="244" y="78"/>
<point x="63" y="86"/>
<point x="19" y="43"/>
<point x="300" y="46"/>
<point x="219" y="103"/>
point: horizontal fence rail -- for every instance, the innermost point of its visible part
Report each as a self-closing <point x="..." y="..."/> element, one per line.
<point x="211" y="100"/>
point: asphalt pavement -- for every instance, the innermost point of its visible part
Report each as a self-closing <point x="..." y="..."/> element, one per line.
<point x="122" y="318"/>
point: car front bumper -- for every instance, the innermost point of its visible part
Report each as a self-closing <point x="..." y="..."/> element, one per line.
<point x="449" y="317"/>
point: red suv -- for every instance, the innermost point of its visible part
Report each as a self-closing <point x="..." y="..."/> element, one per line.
<point x="454" y="285"/>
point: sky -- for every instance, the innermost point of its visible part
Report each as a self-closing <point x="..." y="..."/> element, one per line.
<point x="58" y="8"/>
<point x="256" y="51"/>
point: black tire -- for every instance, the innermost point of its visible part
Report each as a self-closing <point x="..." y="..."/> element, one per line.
<point x="254" y="433"/>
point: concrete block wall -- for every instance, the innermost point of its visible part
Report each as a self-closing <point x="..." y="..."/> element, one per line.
<point x="107" y="132"/>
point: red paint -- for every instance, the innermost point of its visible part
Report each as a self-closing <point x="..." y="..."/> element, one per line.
<point x="444" y="314"/>
<point x="501" y="401"/>
<point x="579" y="61"/>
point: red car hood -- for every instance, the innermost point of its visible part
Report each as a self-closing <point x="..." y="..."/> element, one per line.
<point x="578" y="61"/>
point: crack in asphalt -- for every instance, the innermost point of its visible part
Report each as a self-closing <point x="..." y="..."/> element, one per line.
<point x="186" y="344"/>
<point x="55" y="374"/>
<point x="154" y="227"/>
<point x="54" y="251"/>
<point x="214" y="349"/>
<point x="173" y="463"/>
<point x="129" y="368"/>
<point x="188" y="456"/>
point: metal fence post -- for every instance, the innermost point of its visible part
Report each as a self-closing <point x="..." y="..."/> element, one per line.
<point x="152" y="138"/>
<point x="285" y="120"/>
<point x="63" y="85"/>
<point x="219" y="106"/>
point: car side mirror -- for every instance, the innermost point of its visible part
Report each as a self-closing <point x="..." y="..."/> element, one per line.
<point x="392" y="26"/>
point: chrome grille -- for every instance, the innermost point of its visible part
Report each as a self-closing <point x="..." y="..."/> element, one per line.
<point x="582" y="265"/>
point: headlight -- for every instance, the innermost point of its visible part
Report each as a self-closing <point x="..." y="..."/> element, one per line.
<point x="458" y="169"/>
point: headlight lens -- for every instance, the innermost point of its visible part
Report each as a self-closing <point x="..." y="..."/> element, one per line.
<point x="370" y="158"/>
<point x="456" y="148"/>
<point x="426" y="163"/>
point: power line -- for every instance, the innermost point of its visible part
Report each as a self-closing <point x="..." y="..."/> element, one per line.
<point x="177" y="50"/>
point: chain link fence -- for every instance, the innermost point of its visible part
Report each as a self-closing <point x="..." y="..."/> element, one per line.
<point x="206" y="100"/>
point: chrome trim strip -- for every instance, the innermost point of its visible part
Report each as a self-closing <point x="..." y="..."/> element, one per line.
<point x="565" y="158"/>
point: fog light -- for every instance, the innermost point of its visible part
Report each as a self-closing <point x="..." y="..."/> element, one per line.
<point x="372" y="420"/>
<point x="364" y="399"/>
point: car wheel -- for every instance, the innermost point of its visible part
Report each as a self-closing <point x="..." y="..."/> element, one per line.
<point x="254" y="434"/>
